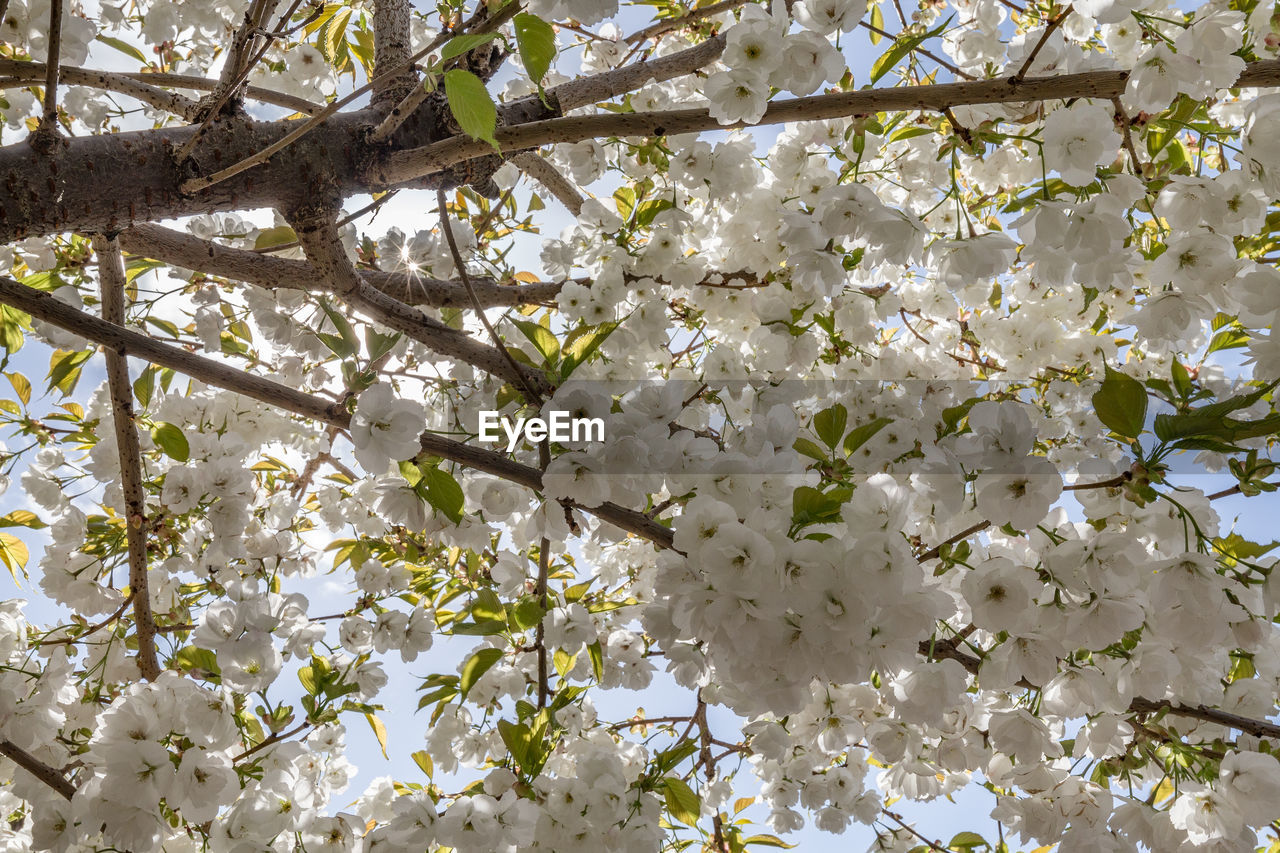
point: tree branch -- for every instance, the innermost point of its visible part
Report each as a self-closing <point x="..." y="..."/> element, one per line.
<point x="210" y="258"/>
<point x="693" y="16"/>
<point x="111" y="277"/>
<point x="529" y="391"/>
<point x="1140" y="705"/>
<point x="414" y="163"/>
<point x="391" y="52"/>
<point x="44" y="306"/>
<point x="53" y="45"/>
<point x="37" y="768"/>
<point x="536" y="166"/>
<point x="197" y="184"/>
<point x="318" y="234"/>
<point x="23" y="73"/>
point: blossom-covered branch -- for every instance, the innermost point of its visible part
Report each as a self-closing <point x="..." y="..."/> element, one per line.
<point x="112" y="277"/>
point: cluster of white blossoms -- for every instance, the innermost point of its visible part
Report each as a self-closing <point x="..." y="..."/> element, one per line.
<point x="894" y="495"/>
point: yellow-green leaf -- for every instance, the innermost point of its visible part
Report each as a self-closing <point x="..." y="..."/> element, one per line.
<point x="379" y="731"/>
<point x="476" y="666"/>
<point x="171" y="440"/>
<point x="14" y="555"/>
<point x="683" y="804"/>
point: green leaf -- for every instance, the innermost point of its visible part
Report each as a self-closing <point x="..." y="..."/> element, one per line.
<point x="967" y="840"/>
<point x="1181" y="379"/>
<point x="1236" y="546"/>
<point x="811" y="506"/>
<point x="877" y="21"/>
<point x="901" y="48"/>
<point x="476" y="666"/>
<point x="471" y="105"/>
<point x="124" y="47"/>
<point x="580" y="347"/>
<point x="543" y="340"/>
<point x="145" y="385"/>
<point x="459" y="45"/>
<point x="536" y="41"/>
<point x="526" y="614"/>
<point x="597" y="660"/>
<point x="346" y="344"/>
<point x="64" y="369"/>
<point x="195" y="658"/>
<point x="860" y="435"/>
<point x="524" y="744"/>
<point x="171" y="440"/>
<point x="21" y="386"/>
<point x="1228" y="339"/>
<point x="810" y="448"/>
<point x="443" y="493"/>
<point x="829" y="424"/>
<point x="1121" y="403"/>
<point x="683" y="804"/>
<point x="279" y="235"/>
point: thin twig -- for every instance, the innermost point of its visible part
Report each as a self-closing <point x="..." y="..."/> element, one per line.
<point x="540" y="592"/>
<point x="94" y="628"/>
<point x="190" y="252"/>
<point x="530" y="392"/>
<point x="693" y="16"/>
<point x="320" y="240"/>
<point x="1016" y="79"/>
<point x="235" y="70"/>
<point x="44" y="306"/>
<point x="49" y="118"/>
<point x="1123" y="118"/>
<point x="934" y="552"/>
<point x="414" y="98"/>
<point x="112" y="279"/>
<point x="920" y="50"/>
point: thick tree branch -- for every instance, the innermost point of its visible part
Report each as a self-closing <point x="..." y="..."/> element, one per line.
<point x="536" y="166"/>
<point x="104" y="183"/>
<point x="408" y="165"/>
<point x="210" y="258"/>
<point x="111" y="277"/>
<point x="264" y="154"/>
<point x="391" y="51"/>
<point x="37" y="768"/>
